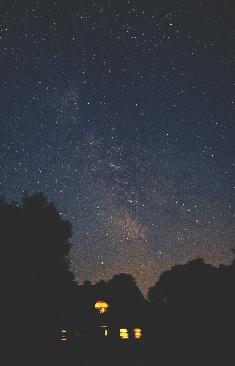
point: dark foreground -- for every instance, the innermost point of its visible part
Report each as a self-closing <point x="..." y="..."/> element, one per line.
<point x="106" y="352"/>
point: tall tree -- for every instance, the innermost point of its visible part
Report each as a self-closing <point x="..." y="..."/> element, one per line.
<point x="126" y="301"/>
<point x="36" y="282"/>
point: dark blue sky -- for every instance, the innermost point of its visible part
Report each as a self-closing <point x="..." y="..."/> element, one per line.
<point x="123" y="114"/>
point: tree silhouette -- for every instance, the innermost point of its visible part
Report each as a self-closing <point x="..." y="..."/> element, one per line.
<point x="123" y="290"/>
<point x="36" y="282"/>
<point x="86" y="283"/>
<point x="184" y="284"/>
<point x="196" y="305"/>
<point x="126" y="300"/>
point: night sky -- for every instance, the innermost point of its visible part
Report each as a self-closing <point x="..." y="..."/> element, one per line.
<point x="123" y="114"/>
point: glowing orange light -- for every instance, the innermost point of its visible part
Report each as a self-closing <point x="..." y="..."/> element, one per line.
<point x="124" y="333"/>
<point x="137" y="333"/>
<point x="63" y="337"/>
<point x="102" y="306"/>
<point x="105" y="331"/>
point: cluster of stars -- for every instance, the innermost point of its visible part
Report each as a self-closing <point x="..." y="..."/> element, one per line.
<point x="122" y="113"/>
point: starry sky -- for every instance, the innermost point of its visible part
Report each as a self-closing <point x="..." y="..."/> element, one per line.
<point x="123" y="114"/>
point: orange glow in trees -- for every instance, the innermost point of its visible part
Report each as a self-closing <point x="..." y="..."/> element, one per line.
<point x="63" y="335"/>
<point x="124" y="333"/>
<point x="104" y="329"/>
<point x="102" y="306"/>
<point x="137" y="333"/>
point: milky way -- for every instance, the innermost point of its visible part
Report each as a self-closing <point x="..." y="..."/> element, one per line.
<point x="123" y="114"/>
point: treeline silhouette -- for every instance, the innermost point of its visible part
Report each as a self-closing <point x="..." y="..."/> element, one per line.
<point x="188" y="318"/>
